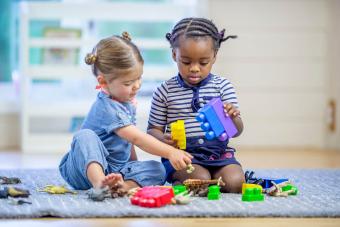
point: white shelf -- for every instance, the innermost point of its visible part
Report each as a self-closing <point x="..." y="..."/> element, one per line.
<point x="79" y="43"/>
<point x="64" y="72"/>
<point x="36" y="107"/>
<point x="107" y="11"/>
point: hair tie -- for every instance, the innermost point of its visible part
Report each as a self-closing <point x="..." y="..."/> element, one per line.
<point x="126" y="36"/>
<point x="90" y="58"/>
<point x="221" y="36"/>
<point x="168" y="36"/>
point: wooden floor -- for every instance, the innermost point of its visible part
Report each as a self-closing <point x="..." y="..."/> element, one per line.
<point x="250" y="159"/>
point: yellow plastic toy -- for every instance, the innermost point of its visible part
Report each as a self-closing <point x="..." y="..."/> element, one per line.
<point x="245" y="186"/>
<point x="53" y="189"/>
<point x="178" y="133"/>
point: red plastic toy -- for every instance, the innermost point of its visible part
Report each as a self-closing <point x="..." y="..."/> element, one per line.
<point x="153" y="196"/>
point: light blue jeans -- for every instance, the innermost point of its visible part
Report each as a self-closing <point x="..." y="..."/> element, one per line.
<point x="87" y="147"/>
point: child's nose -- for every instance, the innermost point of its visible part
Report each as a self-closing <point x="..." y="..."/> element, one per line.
<point x="137" y="85"/>
<point x="194" y="68"/>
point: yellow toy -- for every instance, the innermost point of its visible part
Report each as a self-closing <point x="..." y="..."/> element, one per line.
<point x="53" y="189"/>
<point x="245" y="186"/>
<point x="178" y="134"/>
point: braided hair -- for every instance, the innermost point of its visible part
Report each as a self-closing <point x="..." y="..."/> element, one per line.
<point x="195" y="28"/>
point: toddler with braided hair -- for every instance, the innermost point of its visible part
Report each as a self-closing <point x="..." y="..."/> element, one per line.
<point x="195" y="43"/>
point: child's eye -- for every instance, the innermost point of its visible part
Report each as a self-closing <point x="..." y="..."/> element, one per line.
<point x="185" y="62"/>
<point x="204" y="63"/>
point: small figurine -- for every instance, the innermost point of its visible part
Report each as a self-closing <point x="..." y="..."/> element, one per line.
<point x="282" y="189"/>
<point x="99" y="194"/>
<point x="248" y="175"/>
<point x="181" y="198"/>
<point x="17" y="192"/>
<point x="9" y="180"/>
<point x="13" y="192"/>
<point x="200" y="187"/>
<point x="190" y="168"/>
<point x="53" y="189"/>
<point x="18" y="202"/>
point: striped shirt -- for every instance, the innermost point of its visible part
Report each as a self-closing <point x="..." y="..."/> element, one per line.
<point x="172" y="101"/>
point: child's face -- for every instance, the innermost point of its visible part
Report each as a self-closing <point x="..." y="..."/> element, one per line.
<point x="125" y="87"/>
<point x="195" y="58"/>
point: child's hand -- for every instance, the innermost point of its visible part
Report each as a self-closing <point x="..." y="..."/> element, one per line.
<point x="231" y="110"/>
<point x="180" y="159"/>
<point x="167" y="139"/>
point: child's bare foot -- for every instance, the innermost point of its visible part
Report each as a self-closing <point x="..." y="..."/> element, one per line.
<point x="115" y="183"/>
<point x="112" y="180"/>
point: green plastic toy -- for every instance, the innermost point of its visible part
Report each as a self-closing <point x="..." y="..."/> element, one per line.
<point x="252" y="194"/>
<point x="214" y="192"/>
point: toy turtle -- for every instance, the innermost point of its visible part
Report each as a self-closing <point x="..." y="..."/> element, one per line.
<point x="53" y="189"/>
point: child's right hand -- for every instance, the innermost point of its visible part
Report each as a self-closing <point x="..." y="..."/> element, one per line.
<point x="180" y="159"/>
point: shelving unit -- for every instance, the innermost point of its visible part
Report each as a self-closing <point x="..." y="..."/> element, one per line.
<point x="53" y="104"/>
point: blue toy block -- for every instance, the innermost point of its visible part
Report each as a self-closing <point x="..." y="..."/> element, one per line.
<point x="268" y="182"/>
<point x="210" y="123"/>
<point x="215" y="122"/>
<point x="228" y="124"/>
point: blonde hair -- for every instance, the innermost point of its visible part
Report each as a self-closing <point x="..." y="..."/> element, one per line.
<point x="112" y="54"/>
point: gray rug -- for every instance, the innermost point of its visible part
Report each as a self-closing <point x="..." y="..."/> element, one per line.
<point x="319" y="196"/>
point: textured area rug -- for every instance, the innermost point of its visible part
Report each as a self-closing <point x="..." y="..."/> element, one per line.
<point x="319" y="196"/>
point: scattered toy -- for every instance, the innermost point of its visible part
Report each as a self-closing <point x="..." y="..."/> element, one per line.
<point x="200" y="187"/>
<point x="13" y="192"/>
<point x="153" y="196"/>
<point x="99" y="194"/>
<point x="9" y="180"/>
<point x="181" y="198"/>
<point x="282" y="189"/>
<point x="53" y="189"/>
<point x="252" y="193"/>
<point x="248" y="175"/>
<point x="215" y="122"/>
<point x="18" y="202"/>
<point x="178" y="133"/>
<point x="214" y="192"/>
<point x="190" y="168"/>
<point x="268" y="182"/>
<point x="178" y="189"/>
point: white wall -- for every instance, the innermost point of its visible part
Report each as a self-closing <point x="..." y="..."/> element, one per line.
<point x="333" y="138"/>
<point x="279" y="66"/>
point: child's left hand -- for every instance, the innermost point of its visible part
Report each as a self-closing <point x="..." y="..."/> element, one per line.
<point x="231" y="110"/>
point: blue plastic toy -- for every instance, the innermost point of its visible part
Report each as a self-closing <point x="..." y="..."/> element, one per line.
<point x="215" y="122"/>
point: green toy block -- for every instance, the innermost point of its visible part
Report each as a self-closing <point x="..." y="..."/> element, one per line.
<point x="178" y="189"/>
<point x="292" y="189"/>
<point x="252" y="194"/>
<point x="214" y="192"/>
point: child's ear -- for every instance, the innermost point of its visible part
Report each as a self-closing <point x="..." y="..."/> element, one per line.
<point x="101" y="80"/>
<point x="214" y="58"/>
<point x="174" y="55"/>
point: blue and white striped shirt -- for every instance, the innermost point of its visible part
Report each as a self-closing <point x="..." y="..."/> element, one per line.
<point x="172" y="101"/>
